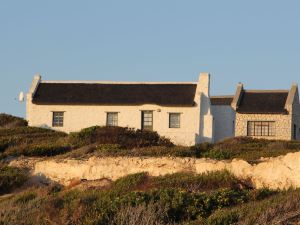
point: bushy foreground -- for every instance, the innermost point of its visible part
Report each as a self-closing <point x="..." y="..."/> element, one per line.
<point x="9" y="121"/>
<point x="134" y="199"/>
<point x="249" y="149"/>
<point x="16" y="139"/>
<point x="32" y="141"/>
<point x="126" y="138"/>
<point x="281" y="208"/>
<point x="11" y="178"/>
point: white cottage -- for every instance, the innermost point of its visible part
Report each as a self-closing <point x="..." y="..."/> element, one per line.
<point x="179" y="111"/>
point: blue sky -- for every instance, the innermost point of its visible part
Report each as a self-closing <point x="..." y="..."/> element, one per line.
<point x="254" y="42"/>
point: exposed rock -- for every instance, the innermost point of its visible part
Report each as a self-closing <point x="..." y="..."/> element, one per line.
<point x="281" y="172"/>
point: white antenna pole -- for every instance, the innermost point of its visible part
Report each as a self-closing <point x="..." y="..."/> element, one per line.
<point x="21" y="97"/>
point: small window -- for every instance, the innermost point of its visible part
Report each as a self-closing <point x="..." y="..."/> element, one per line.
<point x="147" y="120"/>
<point x="174" y="120"/>
<point x="58" y="119"/>
<point x="261" y="128"/>
<point x="112" y="119"/>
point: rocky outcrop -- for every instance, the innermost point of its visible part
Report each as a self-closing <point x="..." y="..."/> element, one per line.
<point x="276" y="173"/>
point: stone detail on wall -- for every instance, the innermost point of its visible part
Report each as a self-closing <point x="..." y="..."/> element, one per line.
<point x="282" y="125"/>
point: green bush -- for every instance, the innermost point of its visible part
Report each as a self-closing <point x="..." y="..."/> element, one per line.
<point x="30" y="132"/>
<point x="25" y="197"/>
<point x="129" y="182"/>
<point x="181" y="205"/>
<point x="128" y="200"/>
<point x="11" y="178"/>
<point x="217" y="154"/>
<point x="221" y="217"/>
<point x="154" y="151"/>
<point x="125" y="137"/>
<point x="151" y="214"/>
<point x="249" y="149"/>
<point x="5" y="143"/>
<point x="32" y="141"/>
<point x="200" y="148"/>
<point x="269" y="210"/>
<point x="8" y="121"/>
<point x="108" y="148"/>
<point x="196" y="182"/>
<point x="43" y="149"/>
<point x="263" y="193"/>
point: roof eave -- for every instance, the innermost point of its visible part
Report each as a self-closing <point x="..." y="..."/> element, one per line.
<point x="119" y="104"/>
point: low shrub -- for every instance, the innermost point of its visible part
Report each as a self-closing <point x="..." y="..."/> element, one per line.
<point x="54" y="188"/>
<point x="181" y="205"/>
<point x="218" y="154"/>
<point x="154" y="151"/>
<point x="127" y="201"/>
<point x="279" y="208"/>
<point x="108" y="148"/>
<point x="9" y="121"/>
<point x="25" y="197"/>
<point x="30" y="132"/>
<point x="249" y="149"/>
<point x="43" y="149"/>
<point x="5" y="143"/>
<point x="11" y="178"/>
<point x="196" y="182"/>
<point x="32" y="141"/>
<point x="200" y="148"/>
<point x="263" y="193"/>
<point x="125" y="137"/>
<point x="151" y="214"/>
<point x="129" y="182"/>
<point x="221" y="217"/>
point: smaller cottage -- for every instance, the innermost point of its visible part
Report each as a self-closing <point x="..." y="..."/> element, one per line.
<point x="270" y="114"/>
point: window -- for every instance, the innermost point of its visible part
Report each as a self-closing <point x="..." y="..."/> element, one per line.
<point x="174" y="120"/>
<point x="261" y="128"/>
<point x="112" y="119"/>
<point x="147" y="120"/>
<point x="58" y="119"/>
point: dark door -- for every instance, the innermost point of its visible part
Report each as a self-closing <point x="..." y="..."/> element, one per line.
<point x="295" y="132"/>
<point x="147" y="120"/>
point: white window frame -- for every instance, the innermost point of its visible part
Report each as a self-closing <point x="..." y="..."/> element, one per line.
<point x="58" y="119"/>
<point x="114" y="120"/>
<point x="177" y="124"/>
<point x="147" y="120"/>
<point x="261" y="128"/>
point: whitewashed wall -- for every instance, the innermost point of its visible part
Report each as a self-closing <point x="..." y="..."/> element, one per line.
<point x="78" y="117"/>
<point x="224" y="122"/>
<point x="195" y="127"/>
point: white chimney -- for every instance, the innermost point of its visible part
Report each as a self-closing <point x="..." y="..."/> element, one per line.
<point x="204" y="83"/>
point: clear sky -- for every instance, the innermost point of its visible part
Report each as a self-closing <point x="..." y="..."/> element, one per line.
<point x="256" y="42"/>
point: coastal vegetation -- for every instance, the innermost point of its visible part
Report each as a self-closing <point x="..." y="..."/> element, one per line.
<point x="180" y="198"/>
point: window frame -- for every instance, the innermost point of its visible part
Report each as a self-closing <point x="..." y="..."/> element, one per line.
<point x="58" y="120"/>
<point x="143" y="126"/>
<point x="175" y="126"/>
<point x="113" y="121"/>
<point x="261" y="128"/>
